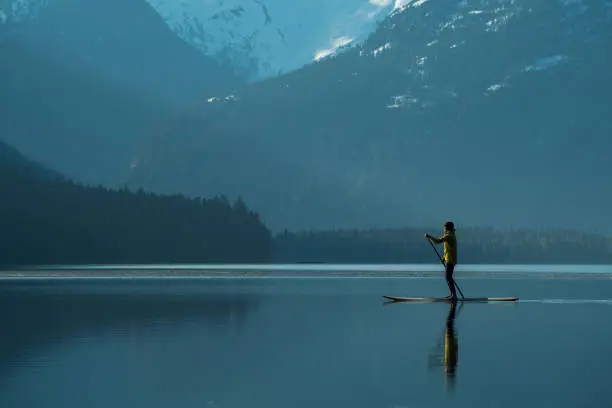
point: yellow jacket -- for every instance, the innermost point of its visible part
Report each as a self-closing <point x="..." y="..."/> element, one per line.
<point x="450" y="246"/>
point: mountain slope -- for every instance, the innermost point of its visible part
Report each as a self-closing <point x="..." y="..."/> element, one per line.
<point x="85" y="80"/>
<point x="106" y="226"/>
<point x="494" y="113"/>
<point x="12" y="161"/>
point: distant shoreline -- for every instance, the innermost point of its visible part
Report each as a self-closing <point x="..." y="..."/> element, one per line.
<point x="308" y="271"/>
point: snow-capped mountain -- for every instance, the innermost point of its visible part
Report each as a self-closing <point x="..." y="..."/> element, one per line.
<point x="266" y="37"/>
<point x="488" y="111"/>
<point x="260" y="38"/>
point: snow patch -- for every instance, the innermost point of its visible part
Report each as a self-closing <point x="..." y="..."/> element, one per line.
<point x="401" y="100"/>
<point x="401" y="5"/>
<point x="497" y="23"/>
<point x="381" y="3"/>
<point x="336" y="44"/>
<point x="378" y="50"/>
<point x="546" y="63"/>
<point x="226" y="98"/>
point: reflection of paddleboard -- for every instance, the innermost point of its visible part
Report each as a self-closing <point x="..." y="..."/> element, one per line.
<point x="423" y="299"/>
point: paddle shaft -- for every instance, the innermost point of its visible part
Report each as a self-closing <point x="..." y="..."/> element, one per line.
<point x="444" y="263"/>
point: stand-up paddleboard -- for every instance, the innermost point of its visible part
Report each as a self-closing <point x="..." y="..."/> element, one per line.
<point x="432" y="299"/>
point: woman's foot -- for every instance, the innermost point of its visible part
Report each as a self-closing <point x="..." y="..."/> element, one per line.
<point x="452" y="298"/>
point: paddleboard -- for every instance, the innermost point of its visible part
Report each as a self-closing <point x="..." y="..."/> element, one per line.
<point x="432" y="299"/>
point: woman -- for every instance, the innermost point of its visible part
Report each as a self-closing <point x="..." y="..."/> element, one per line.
<point x="450" y="255"/>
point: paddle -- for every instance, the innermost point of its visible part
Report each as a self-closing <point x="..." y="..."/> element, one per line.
<point x="444" y="263"/>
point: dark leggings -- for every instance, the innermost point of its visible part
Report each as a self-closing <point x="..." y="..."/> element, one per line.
<point x="450" y="268"/>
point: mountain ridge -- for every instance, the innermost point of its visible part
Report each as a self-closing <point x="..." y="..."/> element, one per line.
<point x="80" y="95"/>
<point x="357" y="140"/>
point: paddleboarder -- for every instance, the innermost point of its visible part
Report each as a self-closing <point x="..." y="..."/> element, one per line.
<point x="450" y="255"/>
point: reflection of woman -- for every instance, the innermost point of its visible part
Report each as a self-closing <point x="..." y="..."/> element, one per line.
<point x="451" y="345"/>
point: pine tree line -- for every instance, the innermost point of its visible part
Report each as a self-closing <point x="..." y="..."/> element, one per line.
<point x="61" y="222"/>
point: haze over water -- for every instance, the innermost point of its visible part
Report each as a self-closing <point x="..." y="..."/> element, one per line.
<point x="303" y="342"/>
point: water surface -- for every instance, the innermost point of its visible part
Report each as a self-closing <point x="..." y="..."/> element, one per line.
<point x="302" y="342"/>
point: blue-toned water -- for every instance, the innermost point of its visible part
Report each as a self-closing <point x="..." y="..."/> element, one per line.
<point x="310" y="341"/>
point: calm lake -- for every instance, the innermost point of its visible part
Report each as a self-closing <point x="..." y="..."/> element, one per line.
<point x="311" y="340"/>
